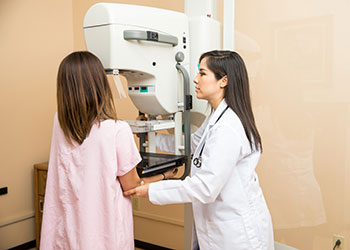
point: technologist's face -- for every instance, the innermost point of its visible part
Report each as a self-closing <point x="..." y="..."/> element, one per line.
<point x="207" y="87"/>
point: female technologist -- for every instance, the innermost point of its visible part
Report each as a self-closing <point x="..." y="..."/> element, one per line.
<point x="229" y="208"/>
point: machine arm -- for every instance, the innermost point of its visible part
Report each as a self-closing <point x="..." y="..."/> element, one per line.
<point x="188" y="106"/>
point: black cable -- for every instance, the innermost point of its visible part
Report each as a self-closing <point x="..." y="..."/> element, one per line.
<point x="337" y="243"/>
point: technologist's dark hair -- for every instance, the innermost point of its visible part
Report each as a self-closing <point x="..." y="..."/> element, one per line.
<point x="83" y="95"/>
<point x="237" y="95"/>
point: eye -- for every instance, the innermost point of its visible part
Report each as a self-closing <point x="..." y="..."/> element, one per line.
<point x="201" y="73"/>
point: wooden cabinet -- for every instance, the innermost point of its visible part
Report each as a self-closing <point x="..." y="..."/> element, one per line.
<point x="40" y="174"/>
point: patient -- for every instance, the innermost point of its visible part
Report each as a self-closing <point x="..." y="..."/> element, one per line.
<point x="92" y="160"/>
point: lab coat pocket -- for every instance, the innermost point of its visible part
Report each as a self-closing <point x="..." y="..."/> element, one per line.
<point x="253" y="188"/>
<point x="228" y="235"/>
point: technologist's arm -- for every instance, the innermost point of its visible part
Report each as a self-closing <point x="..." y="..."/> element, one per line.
<point x="217" y="165"/>
<point x="221" y="153"/>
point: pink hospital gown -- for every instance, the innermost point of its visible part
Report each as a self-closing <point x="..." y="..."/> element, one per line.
<point x="84" y="203"/>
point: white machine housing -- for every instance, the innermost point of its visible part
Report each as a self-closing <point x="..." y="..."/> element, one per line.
<point x="148" y="66"/>
<point x="205" y="35"/>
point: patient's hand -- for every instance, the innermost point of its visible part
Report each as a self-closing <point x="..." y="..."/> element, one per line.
<point x="170" y="173"/>
<point x="142" y="118"/>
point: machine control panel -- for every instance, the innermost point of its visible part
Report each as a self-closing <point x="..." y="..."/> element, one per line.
<point x="142" y="89"/>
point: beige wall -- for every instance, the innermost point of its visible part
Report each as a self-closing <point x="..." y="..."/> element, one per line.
<point x="35" y="36"/>
<point x="297" y="53"/>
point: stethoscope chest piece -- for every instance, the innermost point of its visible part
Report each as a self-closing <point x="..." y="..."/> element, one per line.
<point x="197" y="162"/>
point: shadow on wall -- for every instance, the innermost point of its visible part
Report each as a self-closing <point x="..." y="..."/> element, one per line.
<point x="286" y="167"/>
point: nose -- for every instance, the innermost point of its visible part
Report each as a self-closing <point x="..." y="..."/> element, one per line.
<point x="195" y="81"/>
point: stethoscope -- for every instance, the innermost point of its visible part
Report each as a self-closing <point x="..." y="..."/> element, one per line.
<point x="198" y="160"/>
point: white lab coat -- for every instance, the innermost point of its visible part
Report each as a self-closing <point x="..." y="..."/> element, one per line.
<point x="229" y="208"/>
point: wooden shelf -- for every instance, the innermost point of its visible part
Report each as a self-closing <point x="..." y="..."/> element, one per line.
<point x="40" y="174"/>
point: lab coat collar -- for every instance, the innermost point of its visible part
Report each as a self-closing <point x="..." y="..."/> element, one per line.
<point x="215" y="115"/>
<point x="211" y="121"/>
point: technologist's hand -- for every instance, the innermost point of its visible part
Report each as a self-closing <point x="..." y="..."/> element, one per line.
<point x="140" y="191"/>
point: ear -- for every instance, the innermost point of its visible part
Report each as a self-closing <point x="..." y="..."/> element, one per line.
<point x="223" y="82"/>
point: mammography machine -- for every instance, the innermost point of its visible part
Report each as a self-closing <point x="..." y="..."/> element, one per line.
<point x="157" y="51"/>
<point x="151" y="48"/>
<point x="146" y="45"/>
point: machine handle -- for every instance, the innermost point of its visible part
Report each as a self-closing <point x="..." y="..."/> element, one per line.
<point x="150" y="36"/>
<point x="188" y="106"/>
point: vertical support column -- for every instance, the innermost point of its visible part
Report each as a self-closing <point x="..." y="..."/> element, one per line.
<point x="201" y="8"/>
<point x="188" y="220"/>
<point x="152" y="142"/>
<point x="229" y="25"/>
<point x="178" y="132"/>
<point x="204" y="34"/>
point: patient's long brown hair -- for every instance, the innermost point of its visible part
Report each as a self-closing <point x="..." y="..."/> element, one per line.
<point x="83" y="95"/>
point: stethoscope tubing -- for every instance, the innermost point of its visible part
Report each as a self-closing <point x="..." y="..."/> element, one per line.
<point x="198" y="160"/>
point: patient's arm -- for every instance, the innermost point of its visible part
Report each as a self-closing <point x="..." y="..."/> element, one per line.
<point x="131" y="179"/>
